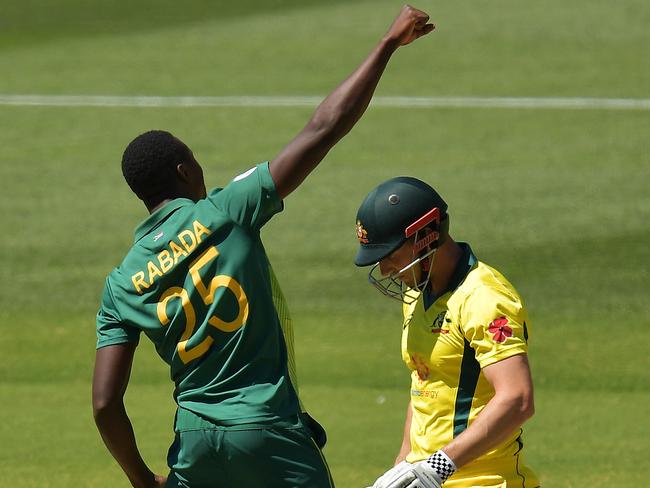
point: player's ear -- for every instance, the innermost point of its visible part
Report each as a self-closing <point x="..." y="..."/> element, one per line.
<point x="444" y="230"/>
<point x="182" y="171"/>
<point x="426" y="232"/>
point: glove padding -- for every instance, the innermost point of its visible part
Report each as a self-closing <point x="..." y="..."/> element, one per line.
<point x="407" y="475"/>
<point x="427" y="477"/>
<point x="399" y="476"/>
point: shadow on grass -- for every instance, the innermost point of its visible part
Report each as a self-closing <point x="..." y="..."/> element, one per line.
<point x="25" y="22"/>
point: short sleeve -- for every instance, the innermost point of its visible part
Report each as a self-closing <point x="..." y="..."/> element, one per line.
<point x="495" y="324"/>
<point x="250" y="199"/>
<point x="111" y="329"/>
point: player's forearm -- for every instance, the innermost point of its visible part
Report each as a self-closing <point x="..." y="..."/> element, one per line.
<point x="331" y="121"/>
<point x="117" y="432"/>
<point x="405" y="449"/>
<point x="502" y="416"/>
<point x="345" y="105"/>
<point x="338" y="113"/>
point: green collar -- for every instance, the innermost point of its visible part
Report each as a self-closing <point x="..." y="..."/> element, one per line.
<point x="465" y="264"/>
<point x="159" y="216"/>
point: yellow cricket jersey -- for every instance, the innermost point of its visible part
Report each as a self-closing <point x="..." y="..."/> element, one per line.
<point x="446" y="342"/>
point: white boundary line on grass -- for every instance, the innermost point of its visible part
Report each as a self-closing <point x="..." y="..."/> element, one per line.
<point x="311" y="101"/>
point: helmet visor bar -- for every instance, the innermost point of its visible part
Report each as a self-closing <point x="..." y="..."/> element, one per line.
<point x="432" y="215"/>
<point x="392" y="285"/>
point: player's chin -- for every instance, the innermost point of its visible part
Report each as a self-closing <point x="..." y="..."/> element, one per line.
<point x="406" y="280"/>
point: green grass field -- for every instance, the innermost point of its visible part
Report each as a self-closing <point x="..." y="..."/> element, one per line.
<point x="556" y="199"/>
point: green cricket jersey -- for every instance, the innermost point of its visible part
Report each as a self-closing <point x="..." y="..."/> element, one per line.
<point x="198" y="283"/>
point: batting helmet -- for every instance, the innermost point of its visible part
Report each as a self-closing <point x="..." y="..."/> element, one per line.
<point x="394" y="211"/>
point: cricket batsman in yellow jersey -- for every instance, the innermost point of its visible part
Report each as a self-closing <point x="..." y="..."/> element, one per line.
<point x="465" y="340"/>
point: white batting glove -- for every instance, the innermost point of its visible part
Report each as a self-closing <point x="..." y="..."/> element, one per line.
<point x="431" y="473"/>
<point x="399" y="476"/>
<point x="426" y="477"/>
<point x="434" y="471"/>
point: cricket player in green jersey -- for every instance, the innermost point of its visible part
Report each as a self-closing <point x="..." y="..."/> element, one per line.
<point x="197" y="282"/>
<point x="464" y="339"/>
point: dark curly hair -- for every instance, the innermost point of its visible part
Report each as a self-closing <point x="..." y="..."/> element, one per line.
<point x="149" y="165"/>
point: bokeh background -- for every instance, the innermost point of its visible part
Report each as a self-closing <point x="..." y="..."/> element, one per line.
<point x="556" y="198"/>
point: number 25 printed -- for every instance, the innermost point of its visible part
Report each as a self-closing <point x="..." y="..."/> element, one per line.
<point x="207" y="295"/>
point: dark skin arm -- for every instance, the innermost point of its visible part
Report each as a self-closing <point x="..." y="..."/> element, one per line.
<point x="334" y="118"/>
<point x="110" y="379"/>
<point x="341" y="110"/>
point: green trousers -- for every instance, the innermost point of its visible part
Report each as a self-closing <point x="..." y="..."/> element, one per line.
<point x="281" y="455"/>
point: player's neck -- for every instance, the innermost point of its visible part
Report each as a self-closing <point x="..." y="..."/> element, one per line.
<point x="153" y="207"/>
<point x="444" y="264"/>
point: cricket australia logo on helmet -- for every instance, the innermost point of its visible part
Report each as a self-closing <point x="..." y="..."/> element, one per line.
<point x="362" y="234"/>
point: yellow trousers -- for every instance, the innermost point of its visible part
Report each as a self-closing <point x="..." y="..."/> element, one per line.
<point x="494" y="473"/>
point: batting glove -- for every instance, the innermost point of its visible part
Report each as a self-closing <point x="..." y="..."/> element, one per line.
<point x="399" y="476"/>
<point x="434" y="471"/>
<point x="431" y="473"/>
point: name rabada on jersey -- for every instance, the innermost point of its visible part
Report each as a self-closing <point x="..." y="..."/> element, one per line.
<point x="176" y="250"/>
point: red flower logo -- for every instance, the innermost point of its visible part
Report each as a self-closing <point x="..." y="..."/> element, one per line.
<point x="421" y="367"/>
<point x="500" y="330"/>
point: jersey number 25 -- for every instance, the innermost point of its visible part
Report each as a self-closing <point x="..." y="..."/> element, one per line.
<point x="207" y="294"/>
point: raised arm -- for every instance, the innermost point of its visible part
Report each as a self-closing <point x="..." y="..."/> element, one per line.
<point x="338" y="113"/>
